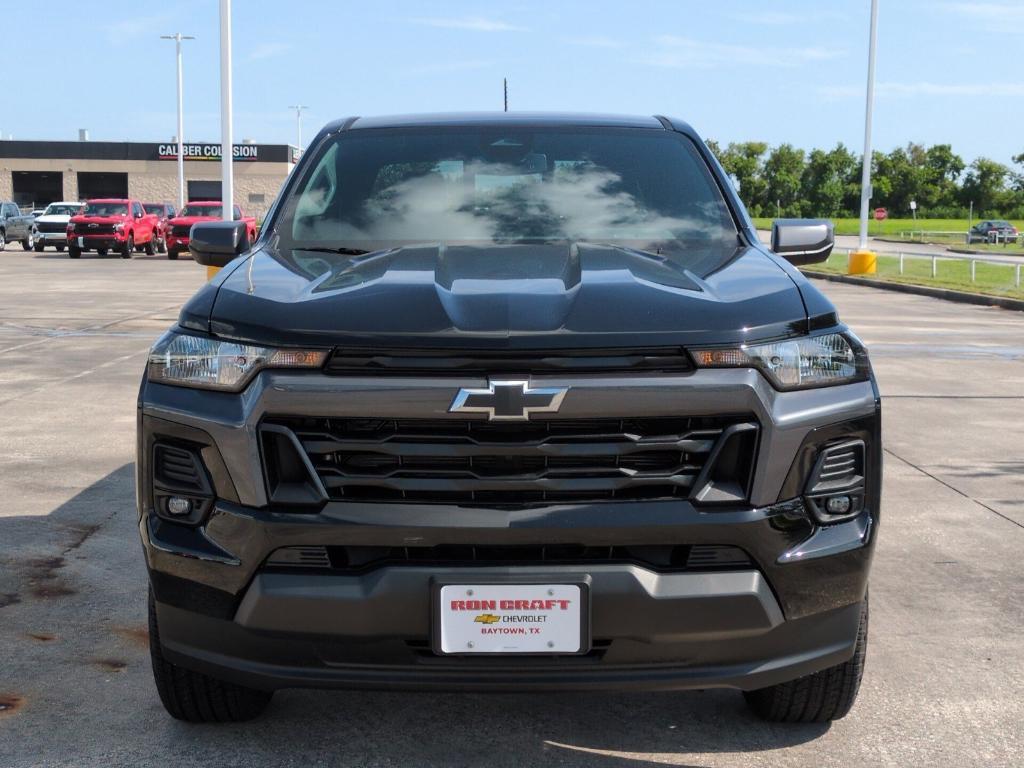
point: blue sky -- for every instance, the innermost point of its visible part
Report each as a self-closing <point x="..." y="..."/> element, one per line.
<point x="736" y="70"/>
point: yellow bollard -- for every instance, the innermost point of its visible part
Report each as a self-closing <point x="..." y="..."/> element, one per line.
<point x="863" y="263"/>
<point x="211" y="271"/>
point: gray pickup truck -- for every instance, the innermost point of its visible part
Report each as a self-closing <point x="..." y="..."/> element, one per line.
<point x="15" y="225"/>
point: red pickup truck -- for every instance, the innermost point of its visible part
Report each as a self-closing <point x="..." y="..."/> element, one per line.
<point x="112" y="224"/>
<point x="180" y="226"/>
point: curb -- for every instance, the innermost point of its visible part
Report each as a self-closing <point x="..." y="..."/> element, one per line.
<point x="960" y="297"/>
<point x="972" y="252"/>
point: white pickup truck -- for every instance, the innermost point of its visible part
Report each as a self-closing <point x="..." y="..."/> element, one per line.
<point x="52" y="225"/>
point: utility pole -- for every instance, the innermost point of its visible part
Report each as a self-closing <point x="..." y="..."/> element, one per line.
<point x="226" y="137"/>
<point x="504" y="82"/>
<point x="862" y="260"/>
<point x="298" y="124"/>
<point x="177" y="37"/>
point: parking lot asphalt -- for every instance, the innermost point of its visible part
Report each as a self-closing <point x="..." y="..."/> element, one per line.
<point x="945" y="665"/>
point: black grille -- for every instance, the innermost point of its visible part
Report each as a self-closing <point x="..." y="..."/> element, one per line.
<point x="177" y="468"/>
<point x="51" y="226"/>
<point x="503" y="464"/>
<point x="486" y="362"/>
<point x="839" y="466"/>
<point x="355" y="559"/>
<point x="181" y="230"/>
<point x="94" y="229"/>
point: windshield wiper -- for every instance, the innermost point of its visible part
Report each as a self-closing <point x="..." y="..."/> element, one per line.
<point x="342" y="250"/>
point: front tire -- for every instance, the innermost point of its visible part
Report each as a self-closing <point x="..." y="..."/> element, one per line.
<point x="3" y="239"/>
<point x="195" y="697"/>
<point x="74" y="252"/>
<point x="129" y="246"/>
<point x="172" y="254"/>
<point x="29" y="242"/>
<point x="39" y="247"/>
<point x="818" y="698"/>
<point x="59" y="248"/>
<point x="150" y="247"/>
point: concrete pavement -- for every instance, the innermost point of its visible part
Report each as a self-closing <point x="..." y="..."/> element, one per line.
<point x="946" y="655"/>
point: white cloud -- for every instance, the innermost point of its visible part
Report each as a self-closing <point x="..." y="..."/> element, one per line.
<point x="469" y="23"/>
<point x="267" y="50"/>
<point x="676" y="52"/>
<point x="989" y="13"/>
<point x="138" y="26"/>
<point x="596" y="41"/>
<point x="787" y="19"/>
<point x="444" y="67"/>
<point x="769" y="18"/>
<point x="925" y="88"/>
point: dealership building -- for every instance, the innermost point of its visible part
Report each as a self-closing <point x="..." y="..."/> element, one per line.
<point x="34" y="173"/>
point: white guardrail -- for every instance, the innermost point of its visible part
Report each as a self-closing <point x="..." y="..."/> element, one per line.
<point x="1004" y="261"/>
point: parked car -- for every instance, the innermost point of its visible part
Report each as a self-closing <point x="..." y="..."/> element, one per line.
<point x="16" y="226"/>
<point x="508" y="402"/>
<point x="202" y="210"/>
<point x="164" y="212"/>
<point x="991" y="231"/>
<point x="52" y="225"/>
<point x="111" y="224"/>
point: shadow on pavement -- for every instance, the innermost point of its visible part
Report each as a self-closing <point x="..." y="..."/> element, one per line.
<point x="87" y="558"/>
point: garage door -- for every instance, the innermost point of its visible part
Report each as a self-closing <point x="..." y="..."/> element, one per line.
<point x="92" y="184"/>
<point x="204" y="190"/>
<point x="37" y="189"/>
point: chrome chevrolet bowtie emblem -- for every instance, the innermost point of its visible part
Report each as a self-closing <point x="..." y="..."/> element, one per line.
<point x="509" y="400"/>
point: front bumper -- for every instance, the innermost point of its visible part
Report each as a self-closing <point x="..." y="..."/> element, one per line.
<point x="793" y="610"/>
<point x="52" y="238"/>
<point x="177" y="242"/>
<point x="95" y="242"/>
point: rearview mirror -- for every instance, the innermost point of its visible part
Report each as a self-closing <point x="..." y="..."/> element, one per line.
<point x="215" y="243"/>
<point x="803" y="241"/>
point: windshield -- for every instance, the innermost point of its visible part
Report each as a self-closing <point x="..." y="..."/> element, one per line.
<point x="157" y="208"/>
<point x="202" y="210"/>
<point x="367" y="190"/>
<point x="105" y="209"/>
<point x="57" y="209"/>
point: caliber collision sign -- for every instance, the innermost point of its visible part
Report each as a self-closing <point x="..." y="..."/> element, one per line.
<point x="507" y="618"/>
<point x="207" y="152"/>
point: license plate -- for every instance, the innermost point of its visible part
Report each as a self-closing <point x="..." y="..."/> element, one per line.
<point x="81" y="242"/>
<point x="511" y="618"/>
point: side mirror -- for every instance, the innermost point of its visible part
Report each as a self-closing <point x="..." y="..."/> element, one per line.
<point x="803" y="241"/>
<point x="215" y="243"/>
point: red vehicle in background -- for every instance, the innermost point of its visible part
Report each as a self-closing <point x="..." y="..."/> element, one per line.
<point x="164" y="212"/>
<point x="180" y="226"/>
<point x="112" y="224"/>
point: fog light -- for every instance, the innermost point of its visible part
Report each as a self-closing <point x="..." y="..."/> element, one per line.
<point x="838" y="505"/>
<point x="177" y="505"/>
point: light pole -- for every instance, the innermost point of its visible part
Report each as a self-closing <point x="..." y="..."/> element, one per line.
<point x="177" y="37"/>
<point x="862" y="260"/>
<point x="226" y="140"/>
<point x="298" y="124"/>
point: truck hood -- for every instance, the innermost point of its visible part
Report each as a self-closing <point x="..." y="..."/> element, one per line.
<point x="521" y="296"/>
<point x="190" y="220"/>
<point x="54" y="218"/>
<point x="79" y="219"/>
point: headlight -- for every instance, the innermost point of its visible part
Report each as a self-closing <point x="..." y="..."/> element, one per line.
<point x="809" y="361"/>
<point x="118" y="227"/>
<point x="195" y="361"/>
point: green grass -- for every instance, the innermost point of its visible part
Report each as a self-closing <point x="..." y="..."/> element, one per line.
<point x="893" y="227"/>
<point x="990" y="279"/>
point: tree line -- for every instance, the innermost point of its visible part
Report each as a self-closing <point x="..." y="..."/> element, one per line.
<point x="790" y="182"/>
